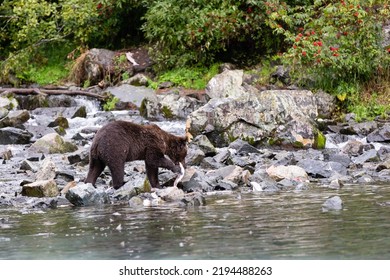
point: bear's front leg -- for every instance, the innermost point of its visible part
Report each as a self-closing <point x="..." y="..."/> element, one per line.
<point x="157" y="159"/>
<point x="152" y="174"/>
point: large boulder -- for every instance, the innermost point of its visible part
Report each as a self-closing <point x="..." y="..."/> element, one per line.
<point x="93" y="66"/>
<point x="273" y="116"/>
<point x="97" y="65"/>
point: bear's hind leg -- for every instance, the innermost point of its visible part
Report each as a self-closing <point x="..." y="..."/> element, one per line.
<point x="96" y="167"/>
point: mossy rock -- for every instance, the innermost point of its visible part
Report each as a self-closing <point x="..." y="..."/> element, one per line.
<point x="53" y="143"/>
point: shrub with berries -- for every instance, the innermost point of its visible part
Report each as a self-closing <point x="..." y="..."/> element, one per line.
<point x="338" y="41"/>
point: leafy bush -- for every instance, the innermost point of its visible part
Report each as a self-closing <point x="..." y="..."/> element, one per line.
<point x="191" y="32"/>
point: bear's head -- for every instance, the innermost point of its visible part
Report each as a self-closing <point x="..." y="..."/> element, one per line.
<point x="177" y="151"/>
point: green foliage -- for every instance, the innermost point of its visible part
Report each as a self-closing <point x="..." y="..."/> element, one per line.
<point x="110" y="103"/>
<point x="189" y="32"/>
<point x="28" y="26"/>
<point x="49" y="65"/>
<point x="368" y="110"/>
<point x="189" y="77"/>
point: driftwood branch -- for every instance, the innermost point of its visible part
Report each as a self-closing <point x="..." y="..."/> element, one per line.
<point x="52" y="92"/>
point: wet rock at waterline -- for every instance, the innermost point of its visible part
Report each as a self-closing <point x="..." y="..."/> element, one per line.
<point x="86" y="194"/>
<point x="333" y="203"/>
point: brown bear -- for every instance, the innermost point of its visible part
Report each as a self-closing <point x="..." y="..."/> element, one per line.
<point x="121" y="141"/>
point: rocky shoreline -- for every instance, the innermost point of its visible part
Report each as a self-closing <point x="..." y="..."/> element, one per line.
<point x="245" y="139"/>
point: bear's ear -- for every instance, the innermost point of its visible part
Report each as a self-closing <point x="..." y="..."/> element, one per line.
<point x="182" y="141"/>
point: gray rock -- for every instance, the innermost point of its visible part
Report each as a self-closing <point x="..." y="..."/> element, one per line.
<point x="369" y="156"/>
<point x="336" y="184"/>
<point x="380" y="135"/>
<point x="260" y="181"/>
<point x="243" y="147"/>
<point x="204" y="144"/>
<point x="28" y="165"/>
<point x="321" y="169"/>
<point x="228" y="185"/>
<point x="136" y="202"/>
<point x="336" y="156"/>
<point x="326" y="104"/>
<point x="137" y="80"/>
<point x="12" y="135"/>
<point x="194" y="156"/>
<point x="231" y="173"/>
<point x="176" y="106"/>
<point x="85" y="195"/>
<point x="332" y="203"/>
<point x="383" y="165"/>
<point x="194" y="181"/>
<point x="45" y="115"/>
<point x="364" y="128"/>
<point x="3" y="112"/>
<point x="223" y="156"/>
<point x="353" y="148"/>
<point x="136" y="185"/>
<point x="210" y="163"/>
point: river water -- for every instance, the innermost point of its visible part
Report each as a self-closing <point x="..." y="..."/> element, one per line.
<point x="283" y="225"/>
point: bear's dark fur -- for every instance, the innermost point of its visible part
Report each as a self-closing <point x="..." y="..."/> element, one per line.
<point x="122" y="141"/>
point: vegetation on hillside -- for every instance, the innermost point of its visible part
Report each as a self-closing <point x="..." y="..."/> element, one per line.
<point x="334" y="45"/>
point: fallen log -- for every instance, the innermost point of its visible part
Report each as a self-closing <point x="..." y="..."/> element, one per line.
<point x="52" y="92"/>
